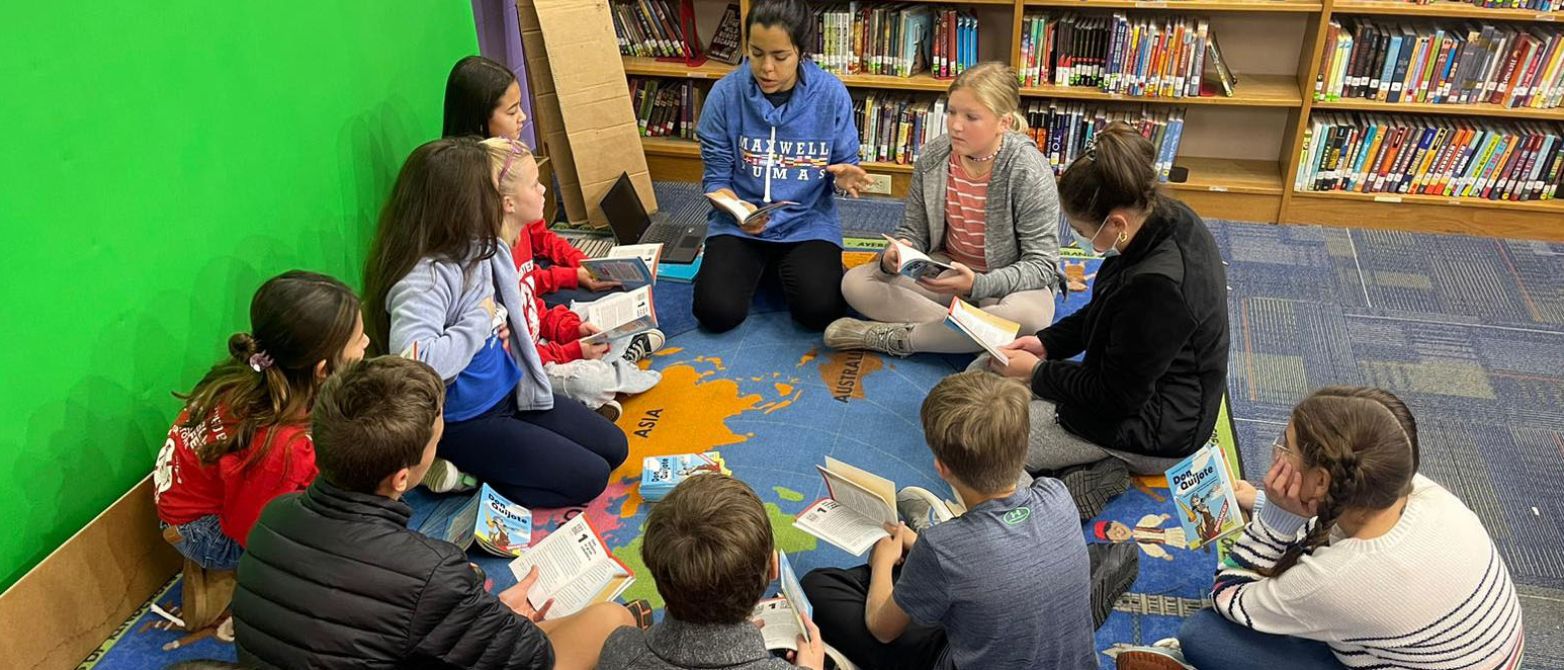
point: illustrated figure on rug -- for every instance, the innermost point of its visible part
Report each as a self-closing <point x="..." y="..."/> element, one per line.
<point x="1075" y="276"/>
<point x="1148" y="534"/>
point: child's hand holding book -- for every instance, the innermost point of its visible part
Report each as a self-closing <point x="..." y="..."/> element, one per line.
<point x="592" y="349"/>
<point x="515" y="598"/>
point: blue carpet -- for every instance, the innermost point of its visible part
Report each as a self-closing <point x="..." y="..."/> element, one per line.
<point x="1469" y="331"/>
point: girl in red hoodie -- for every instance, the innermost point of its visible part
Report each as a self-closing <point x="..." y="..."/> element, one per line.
<point x="243" y="436"/>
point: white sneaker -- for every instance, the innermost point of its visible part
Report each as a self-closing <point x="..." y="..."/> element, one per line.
<point x="443" y="477"/>
<point x="921" y="509"/>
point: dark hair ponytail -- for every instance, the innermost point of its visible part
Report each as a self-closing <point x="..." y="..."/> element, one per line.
<point x="1360" y="437"/>
<point x="793" y="16"/>
<point x="472" y="91"/>
<point x="297" y="319"/>
<point x="1118" y="170"/>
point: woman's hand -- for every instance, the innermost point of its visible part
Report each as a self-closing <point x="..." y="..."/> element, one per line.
<point x="1030" y="344"/>
<point x="1020" y="366"/>
<point x="585" y="280"/>
<point x="849" y="178"/>
<point x="755" y="225"/>
<point x="1284" y="489"/>
<point x="956" y="281"/>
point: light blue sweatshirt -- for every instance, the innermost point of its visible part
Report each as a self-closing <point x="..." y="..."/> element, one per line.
<point x="767" y="153"/>
<point x="438" y="317"/>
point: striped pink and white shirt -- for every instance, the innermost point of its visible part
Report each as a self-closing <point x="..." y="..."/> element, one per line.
<point x="966" y="200"/>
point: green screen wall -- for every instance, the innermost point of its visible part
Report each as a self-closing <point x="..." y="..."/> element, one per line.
<point x="158" y="160"/>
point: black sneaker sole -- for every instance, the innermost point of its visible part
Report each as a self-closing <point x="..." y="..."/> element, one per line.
<point x="1094" y="485"/>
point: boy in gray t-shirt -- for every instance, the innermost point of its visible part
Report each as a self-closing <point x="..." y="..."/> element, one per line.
<point x="1004" y="585"/>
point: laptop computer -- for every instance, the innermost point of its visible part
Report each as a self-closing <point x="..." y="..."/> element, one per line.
<point x="631" y="224"/>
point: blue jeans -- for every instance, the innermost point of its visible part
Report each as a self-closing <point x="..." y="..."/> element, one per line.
<point x="1211" y="642"/>
<point x="204" y="542"/>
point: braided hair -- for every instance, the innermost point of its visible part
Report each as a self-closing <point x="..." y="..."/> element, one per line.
<point x="1367" y="441"/>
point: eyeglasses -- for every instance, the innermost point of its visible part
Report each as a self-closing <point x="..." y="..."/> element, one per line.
<point x="1279" y="448"/>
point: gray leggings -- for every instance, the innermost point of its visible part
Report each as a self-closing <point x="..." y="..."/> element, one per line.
<point x="897" y="299"/>
<point x="1050" y="447"/>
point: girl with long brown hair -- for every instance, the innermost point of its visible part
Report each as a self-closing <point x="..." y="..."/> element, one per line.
<point x="243" y="436"/>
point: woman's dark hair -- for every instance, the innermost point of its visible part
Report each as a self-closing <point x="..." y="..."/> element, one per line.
<point x="445" y="206"/>
<point x="1119" y="170"/>
<point x="472" y="91"/>
<point x="297" y="319"/>
<point x="1366" y="439"/>
<point x="793" y="16"/>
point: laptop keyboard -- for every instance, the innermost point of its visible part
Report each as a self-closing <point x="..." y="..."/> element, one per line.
<point x="595" y="246"/>
<point x="663" y="234"/>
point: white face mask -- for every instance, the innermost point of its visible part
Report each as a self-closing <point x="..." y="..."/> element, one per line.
<point x="1090" y="245"/>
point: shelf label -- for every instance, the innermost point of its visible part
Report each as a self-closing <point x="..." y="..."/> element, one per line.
<point x="1546" y="16"/>
<point x="1150" y="4"/>
<point x="1217" y="189"/>
<point x="1387" y="198"/>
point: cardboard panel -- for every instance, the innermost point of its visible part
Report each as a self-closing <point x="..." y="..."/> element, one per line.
<point x="61" y="610"/>
<point x="584" y="112"/>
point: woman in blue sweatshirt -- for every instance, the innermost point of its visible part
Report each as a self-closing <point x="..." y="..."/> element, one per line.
<point x="779" y="129"/>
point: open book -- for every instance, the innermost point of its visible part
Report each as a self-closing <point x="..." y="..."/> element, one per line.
<point x="736" y="209"/>
<point x="619" y="314"/>
<point x="1202" y="488"/>
<point x="855" y="514"/>
<point x="574" y="568"/>
<point x="986" y="329"/>
<point x="915" y="264"/>
<point x="488" y="520"/>
<point x="780" y="628"/>
<point x="628" y="264"/>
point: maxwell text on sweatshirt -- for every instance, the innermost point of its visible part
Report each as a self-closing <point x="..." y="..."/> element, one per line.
<point x="766" y="153"/>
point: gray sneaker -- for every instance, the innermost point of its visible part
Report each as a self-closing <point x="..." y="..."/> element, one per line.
<point x="920" y="508"/>
<point x="887" y="338"/>
<point x="1161" y="656"/>
<point x="443" y="477"/>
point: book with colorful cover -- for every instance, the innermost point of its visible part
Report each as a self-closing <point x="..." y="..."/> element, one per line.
<point x="1202" y="490"/>
<point x="990" y="331"/>
<point x="660" y="474"/>
<point x="488" y="520"/>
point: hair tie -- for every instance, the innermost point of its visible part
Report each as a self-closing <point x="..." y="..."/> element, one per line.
<point x="515" y="150"/>
<point x="259" y="361"/>
<point x="1091" y="149"/>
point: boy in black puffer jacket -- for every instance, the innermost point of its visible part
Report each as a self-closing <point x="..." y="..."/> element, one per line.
<point x="335" y="579"/>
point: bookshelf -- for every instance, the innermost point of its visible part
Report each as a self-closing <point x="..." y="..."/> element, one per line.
<point x="1243" y="151"/>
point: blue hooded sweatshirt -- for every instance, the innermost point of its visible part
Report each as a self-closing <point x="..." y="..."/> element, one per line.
<point x="756" y="149"/>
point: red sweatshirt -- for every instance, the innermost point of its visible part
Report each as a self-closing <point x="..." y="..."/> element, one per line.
<point x="232" y="488"/>
<point x="556" y="330"/>
<point x="564" y="258"/>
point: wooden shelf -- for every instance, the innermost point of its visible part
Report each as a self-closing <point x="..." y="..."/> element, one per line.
<point x="1533" y="219"/>
<point x="1459" y="10"/>
<point x="1186" y="5"/>
<point x="651" y="67"/>
<point x="682" y="148"/>
<point x="1228" y="175"/>
<point x="1254" y="90"/>
<point x="1482" y="109"/>
<point x="1555" y="206"/>
<point x="917" y="82"/>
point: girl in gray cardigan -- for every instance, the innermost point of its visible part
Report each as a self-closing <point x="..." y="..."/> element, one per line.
<point x="442" y="289"/>
<point x="983" y="199"/>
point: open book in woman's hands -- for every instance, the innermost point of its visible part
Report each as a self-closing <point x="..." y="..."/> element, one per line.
<point x="744" y="213"/>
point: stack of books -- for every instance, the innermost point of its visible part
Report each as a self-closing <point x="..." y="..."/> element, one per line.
<point x="1510" y="65"/>
<point x="894" y="39"/>
<point x="666" y="108"/>
<point x="1422" y="155"/>
<point x="1063" y="129"/>
<point x="1164" y="56"/>
<point x="660" y="474"/>
<point x="893" y="127"/>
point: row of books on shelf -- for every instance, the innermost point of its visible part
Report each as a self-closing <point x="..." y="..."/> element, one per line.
<point x="650" y="28"/>
<point x="1539" y="5"/>
<point x="893" y="127"/>
<point x="1452" y="157"/>
<point x="1513" y="66"/>
<point x="895" y="39"/>
<point x="1062" y="130"/>
<point x="1161" y="56"/>
<point x="666" y="108"/>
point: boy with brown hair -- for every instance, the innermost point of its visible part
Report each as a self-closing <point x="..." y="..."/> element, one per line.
<point x="334" y="577"/>
<point x="1004" y="585"/>
<point x="710" y="550"/>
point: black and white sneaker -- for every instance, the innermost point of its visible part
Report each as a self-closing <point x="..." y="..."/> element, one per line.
<point x="643" y="344"/>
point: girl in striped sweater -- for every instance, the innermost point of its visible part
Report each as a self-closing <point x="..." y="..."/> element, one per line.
<point x="1353" y="559"/>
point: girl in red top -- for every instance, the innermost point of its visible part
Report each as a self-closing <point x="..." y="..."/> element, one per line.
<point x="243" y="436"/>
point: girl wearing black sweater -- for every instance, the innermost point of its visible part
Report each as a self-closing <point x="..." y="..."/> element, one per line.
<point x="1154" y="336"/>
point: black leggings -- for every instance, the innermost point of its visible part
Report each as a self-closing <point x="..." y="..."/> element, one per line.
<point x="559" y="457"/>
<point x="839" y="597"/>
<point x="732" y="267"/>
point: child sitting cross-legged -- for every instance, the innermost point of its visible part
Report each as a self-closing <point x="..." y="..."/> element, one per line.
<point x="1004" y="585"/>
<point x="709" y="547"/>
<point x="334" y="578"/>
